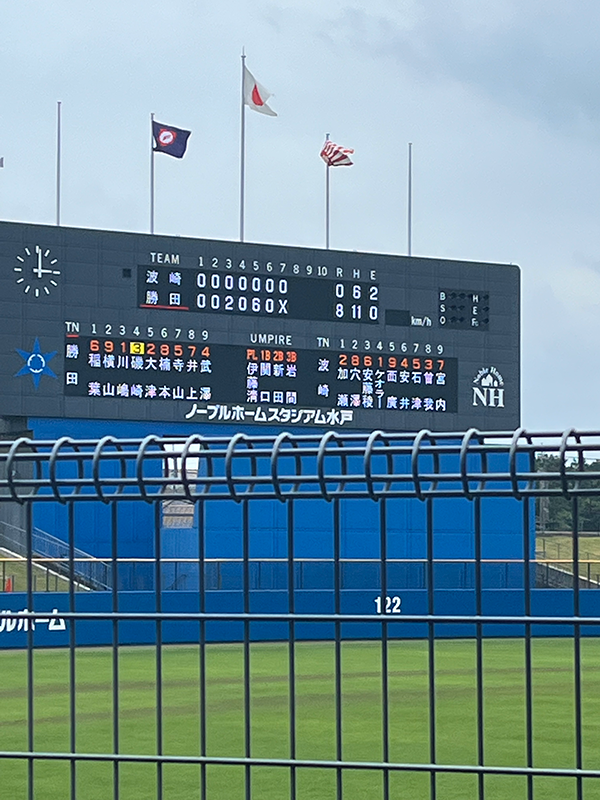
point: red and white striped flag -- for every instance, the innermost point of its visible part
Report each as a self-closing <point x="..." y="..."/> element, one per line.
<point x="255" y="95"/>
<point x="334" y="155"/>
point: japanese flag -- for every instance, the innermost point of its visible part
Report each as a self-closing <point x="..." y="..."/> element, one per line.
<point x="255" y="94"/>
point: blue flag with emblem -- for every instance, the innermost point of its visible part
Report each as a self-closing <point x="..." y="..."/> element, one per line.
<point x="169" y="140"/>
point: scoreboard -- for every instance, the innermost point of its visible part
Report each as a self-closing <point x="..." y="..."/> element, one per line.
<point x="107" y="325"/>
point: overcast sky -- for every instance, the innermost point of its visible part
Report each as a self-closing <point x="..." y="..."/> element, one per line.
<point x="500" y="100"/>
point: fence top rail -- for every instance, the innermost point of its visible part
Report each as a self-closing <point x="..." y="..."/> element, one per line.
<point x="107" y="561"/>
<point x="336" y="464"/>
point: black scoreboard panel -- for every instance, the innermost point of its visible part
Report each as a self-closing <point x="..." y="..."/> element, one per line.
<point x="105" y="325"/>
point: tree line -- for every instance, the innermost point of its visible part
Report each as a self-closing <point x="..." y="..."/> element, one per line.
<point x="556" y="513"/>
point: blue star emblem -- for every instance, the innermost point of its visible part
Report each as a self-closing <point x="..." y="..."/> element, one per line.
<point x="36" y="363"/>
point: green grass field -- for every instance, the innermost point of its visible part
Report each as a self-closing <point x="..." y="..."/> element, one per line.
<point x="456" y="713"/>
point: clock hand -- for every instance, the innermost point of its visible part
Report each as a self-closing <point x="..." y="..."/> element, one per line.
<point x="39" y="269"/>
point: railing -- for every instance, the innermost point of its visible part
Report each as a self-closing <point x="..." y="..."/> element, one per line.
<point x="380" y="465"/>
<point x="182" y="574"/>
<point x="52" y="554"/>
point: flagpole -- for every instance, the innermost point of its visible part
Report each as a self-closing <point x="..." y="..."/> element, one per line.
<point x="409" y="211"/>
<point x="243" y="147"/>
<point x="58" y="153"/>
<point x="326" y="200"/>
<point x="327" y="206"/>
<point x="151" y="174"/>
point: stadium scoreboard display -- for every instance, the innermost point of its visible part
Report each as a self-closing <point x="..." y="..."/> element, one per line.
<point x="106" y="325"/>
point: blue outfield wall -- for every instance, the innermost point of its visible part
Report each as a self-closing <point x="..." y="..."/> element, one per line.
<point x="501" y="523"/>
<point x="313" y="533"/>
<point x="51" y="630"/>
<point x="502" y="540"/>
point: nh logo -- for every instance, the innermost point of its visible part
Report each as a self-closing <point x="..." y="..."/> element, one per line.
<point x="490" y="396"/>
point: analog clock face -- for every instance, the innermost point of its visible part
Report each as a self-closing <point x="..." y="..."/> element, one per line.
<point x="36" y="271"/>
